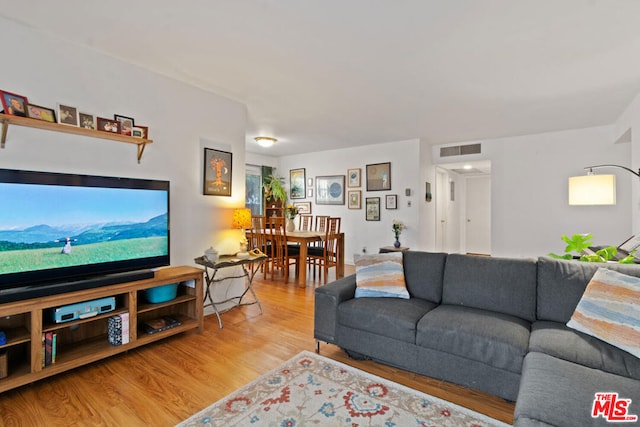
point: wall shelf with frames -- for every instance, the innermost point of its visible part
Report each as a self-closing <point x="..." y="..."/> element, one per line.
<point x="57" y="127"/>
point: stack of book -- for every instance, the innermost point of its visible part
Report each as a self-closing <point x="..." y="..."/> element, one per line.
<point x="161" y="324"/>
<point x="118" y="329"/>
<point x="49" y="348"/>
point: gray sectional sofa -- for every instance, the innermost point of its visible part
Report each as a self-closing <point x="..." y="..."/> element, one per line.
<point x="493" y="324"/>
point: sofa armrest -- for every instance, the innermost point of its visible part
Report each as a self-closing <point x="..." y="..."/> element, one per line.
<point x="327" y="299"/>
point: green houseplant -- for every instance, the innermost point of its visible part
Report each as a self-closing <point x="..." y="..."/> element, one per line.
<point x="273" y="189"/>
<point x="578" y="243"/>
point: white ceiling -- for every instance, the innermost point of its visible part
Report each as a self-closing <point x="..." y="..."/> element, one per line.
<point x="327" y="74"/>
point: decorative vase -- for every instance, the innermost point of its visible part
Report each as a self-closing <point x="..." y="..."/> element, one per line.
<point x="396" y="244"/>
<point x="291" y="226"/>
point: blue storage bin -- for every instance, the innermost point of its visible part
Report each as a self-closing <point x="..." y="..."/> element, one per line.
<point x="161" y="293"/>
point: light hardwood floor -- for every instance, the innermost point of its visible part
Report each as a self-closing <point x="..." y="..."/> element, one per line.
<point x="166" y="382"/>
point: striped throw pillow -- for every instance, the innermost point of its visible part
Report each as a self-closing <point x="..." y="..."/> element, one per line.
<point x="380" y="275"/>
<point x="610" y="310"/>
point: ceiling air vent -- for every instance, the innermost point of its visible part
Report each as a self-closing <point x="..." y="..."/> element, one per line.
<point x="459" y="150"/>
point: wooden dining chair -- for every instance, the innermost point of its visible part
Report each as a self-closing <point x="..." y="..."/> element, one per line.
<point x="305" y="222"/>
<point x="282" y="255"/>
<point x="258" y="239"/>
<point x="326" y="256"/>
<point x="321" y="222"/>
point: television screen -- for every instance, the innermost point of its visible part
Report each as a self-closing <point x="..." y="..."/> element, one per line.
<point x="57" y="227"/>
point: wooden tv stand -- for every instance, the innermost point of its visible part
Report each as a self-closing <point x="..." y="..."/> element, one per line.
<point x="84" y="341"/>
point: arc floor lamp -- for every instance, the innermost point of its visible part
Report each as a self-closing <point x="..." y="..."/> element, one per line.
<point x="594" y="189"/>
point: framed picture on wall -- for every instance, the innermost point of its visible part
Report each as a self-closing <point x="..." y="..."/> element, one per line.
<point x="217" y="172"/>
<point x="372" y="209"/>
<point x="303" y="207"/>
<point x="354" y="197"/>
<point x="353" y="177"/>
<point x="297" y="183"/>
<point x="330" y="190"/>
<point x="379" y="177"/>
<point x="391" y="201"/>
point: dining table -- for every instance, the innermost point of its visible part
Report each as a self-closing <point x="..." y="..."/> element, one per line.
<point x="304" y="238"/>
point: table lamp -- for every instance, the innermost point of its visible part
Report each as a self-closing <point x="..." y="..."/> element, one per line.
<point x="242" y="221"/>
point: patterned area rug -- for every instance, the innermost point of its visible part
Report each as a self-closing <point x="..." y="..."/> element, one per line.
<point x="312" y="390"/>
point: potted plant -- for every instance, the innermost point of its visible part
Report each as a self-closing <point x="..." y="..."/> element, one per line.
<point x="579" y="243"/>
<point x="273" y="189"/>
<point x="397" y="228"/>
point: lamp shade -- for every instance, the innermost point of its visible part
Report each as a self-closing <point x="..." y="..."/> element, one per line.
<point x="241" y="218"/>
<point x="592" y="190"/>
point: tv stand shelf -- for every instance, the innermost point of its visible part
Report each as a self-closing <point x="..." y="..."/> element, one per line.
<point x="84" y="341"/>
<point x="75" y="130"/>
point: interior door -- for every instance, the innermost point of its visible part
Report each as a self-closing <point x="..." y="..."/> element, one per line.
<point x="478" y="209"/>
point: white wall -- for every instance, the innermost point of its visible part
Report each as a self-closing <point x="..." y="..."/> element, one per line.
<point x="405" y="173"/>
<point x="181" y="119"/>
<point x="261" y="160"/>
<point x="627" y="127"/>
<point x="530" y="184"/>
<point x="427" y="209"/>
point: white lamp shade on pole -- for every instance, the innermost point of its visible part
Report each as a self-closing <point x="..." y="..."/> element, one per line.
<point x="592" y="190"/>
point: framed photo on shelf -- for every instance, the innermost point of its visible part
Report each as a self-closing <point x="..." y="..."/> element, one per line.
<point x="87" y="121"/>
<point x="140" y="132"/>
<point x="330" y="190"/>
<point x="126" y="124"/>
<point x="217" y="173"/>
<point x="297" y="183"/>
<point x="41" y="113"/>
<point x="391" y="201"/>
<point x="67" y="115"/>
<point x="372" y="209"/>
<point x="14" y="104"/>
<point x="354" y="197"/>
<point x="108" y="125"/>
<point x="379" y="177"/>
<point x="353" y="177"/>
<point x="303" y="207"/>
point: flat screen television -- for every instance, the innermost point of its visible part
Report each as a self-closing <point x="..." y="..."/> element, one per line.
<point x="63" y="232"/>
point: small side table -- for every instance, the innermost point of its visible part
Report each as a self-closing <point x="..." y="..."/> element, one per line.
<point x="386" y="249"/>
<point x="249" y="266"/>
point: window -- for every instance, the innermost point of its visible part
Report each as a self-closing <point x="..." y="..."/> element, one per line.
<point x="253" y="188"/>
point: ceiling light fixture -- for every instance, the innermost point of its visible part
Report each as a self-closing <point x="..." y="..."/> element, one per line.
<point x="265" y="141"/>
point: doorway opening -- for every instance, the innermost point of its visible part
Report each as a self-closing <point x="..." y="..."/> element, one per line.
<point x="463" y="207"/>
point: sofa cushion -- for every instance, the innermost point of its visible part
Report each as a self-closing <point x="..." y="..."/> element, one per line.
<point x="503" y="285"/>
<point x="561" y="284"/>
<point x="380" y="275"/>
<point x="390" y="317"/>
<point x="423" y="272"/>
<point x="555" y="392"/>
<point x="558" y="340"/>
<point x="610" y="310"/>
<point x="496" y="339"/>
